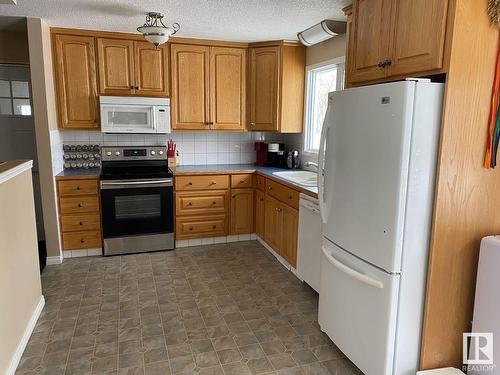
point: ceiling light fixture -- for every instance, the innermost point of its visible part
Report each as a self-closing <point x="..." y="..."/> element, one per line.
<point x="155" y="31"/>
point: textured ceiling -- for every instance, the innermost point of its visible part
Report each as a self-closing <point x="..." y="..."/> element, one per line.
<point x="239" y="20"/>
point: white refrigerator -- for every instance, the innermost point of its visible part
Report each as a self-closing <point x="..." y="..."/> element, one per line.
<point x="376" y="187"/>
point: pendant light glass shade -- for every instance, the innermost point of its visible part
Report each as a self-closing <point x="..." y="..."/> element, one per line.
<point x="155" y="31"/>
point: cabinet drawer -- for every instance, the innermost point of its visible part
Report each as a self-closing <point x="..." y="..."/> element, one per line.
<point x="76" y="205"/>
<point x="78" y="187"/>
<point x="241" y="181"/>
<point x="260" y="182"/>
<point x="201" y="203"/>
<point x="72" y="223"/>
<point x="82" y="240"/>
<point x="282" y="193"/>
<point x="212" y="182"/>
<point x="200" y="226"/>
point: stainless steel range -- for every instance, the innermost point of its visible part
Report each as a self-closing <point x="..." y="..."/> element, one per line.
<point x="136" y="200"/>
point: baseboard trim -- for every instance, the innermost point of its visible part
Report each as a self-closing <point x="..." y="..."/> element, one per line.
<point x="14" y="362"/>
<point x="54" y="260"/>
<point x="283" y="262"/>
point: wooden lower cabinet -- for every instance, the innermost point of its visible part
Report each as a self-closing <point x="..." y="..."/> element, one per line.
<point x="242" y="211"/>
<point x="281" y="225"/>
<point x="273" y="224"/>
<point x="79" y="213"/>
<point x="260" y="213"/>
<point x="290" y="227"/>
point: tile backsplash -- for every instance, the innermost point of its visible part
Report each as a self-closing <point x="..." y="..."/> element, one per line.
<point x="195" y="148"/>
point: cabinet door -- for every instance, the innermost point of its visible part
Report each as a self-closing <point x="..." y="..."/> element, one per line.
<point x="227" y="88"/>
<point x="116" y="66"/>
<point x="190" y="82"/>
<point x="417" y="46"/>
<point x="151" y="69"/>
<point x="242" y="211"/>
<point x="264" y="88"/>
<point x="76" y="83"/>
<point x="273" y="224"/>
<point x="260" y="214"/>
<point x="369" y="40"/>
<point x="290" y="231"/>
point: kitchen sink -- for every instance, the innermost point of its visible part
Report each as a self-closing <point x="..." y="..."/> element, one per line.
<point x="304" y="178"/>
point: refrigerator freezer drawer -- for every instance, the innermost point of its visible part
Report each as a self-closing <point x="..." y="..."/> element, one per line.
<point x="358" y="309"/>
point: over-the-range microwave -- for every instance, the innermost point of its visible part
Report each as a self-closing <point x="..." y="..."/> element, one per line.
<point x="121" y="114"/>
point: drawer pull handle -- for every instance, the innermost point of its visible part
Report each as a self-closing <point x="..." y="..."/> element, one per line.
<point x="190" y="228"/>
<point x="242" y="181"/>
<point x="190" y="203"/>
<point x="82" y="240"/>
<point x="213" y="183"/>
<point x="289" y="197"/>
<point x="81" y="222"/>
<point x="78" y="188"/>
<point x="190" y="183"/>
<point x="80" y="204"/>
<point x="234" y="195"/>
<point x="214" y="226"/>
<point x="214" y="202"/>
<point x="270" y="188"/>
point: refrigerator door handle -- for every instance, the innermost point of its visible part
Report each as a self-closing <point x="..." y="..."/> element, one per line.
<point x="349" y="271"/>
<point x="322" y="167"/>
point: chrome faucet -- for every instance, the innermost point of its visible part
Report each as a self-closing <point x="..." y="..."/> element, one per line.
<point x="311" y="164"/>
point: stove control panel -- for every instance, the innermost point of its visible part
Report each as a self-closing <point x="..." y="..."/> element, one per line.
<point x="120" y="153"/>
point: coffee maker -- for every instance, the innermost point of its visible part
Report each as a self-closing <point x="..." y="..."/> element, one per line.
<point x="276" y="155"/>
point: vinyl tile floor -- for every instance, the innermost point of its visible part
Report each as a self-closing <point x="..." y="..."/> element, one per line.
<point x="227" y="309"/>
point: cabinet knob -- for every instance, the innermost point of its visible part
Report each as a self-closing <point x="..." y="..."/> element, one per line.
<point x="213" y="183"/>
<point x="190" y="203"/>
<point x="214" y="226"/>
<point x="131" y="87"/>
<point x="214" y="202"/>
<point x="381" y="64"/>
<point x="190" y="228"/>
<point x="190" y="183"/>
<point x="81" y="222"/>
<point x="242" y="181"/>
<point x="252" y="124"/>
<point x="234" y="195"/>
<point x="137" y="87"/>
<point x="270" y="188"/>
<point x="388" y="62"/>
<point x="80" y="204"/>
<point x="78" y="188"/>
<point x="289" y="197"/>
<point x="82" y="240"/>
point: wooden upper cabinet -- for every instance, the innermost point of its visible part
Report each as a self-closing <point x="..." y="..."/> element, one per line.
<point x="369" y="40"/>
<point x="190" y="83"/>
<point x="277" y="80"/>
<point x="76" y="84"/>
<point x="116" y="66"/>
<point x="418" y="35"/>
<point x="228" y="88"/>
<point x="128" y="67"/>
<point x="396" y="39"/>
<point x="264" y="81"/>
<point x="151" y="69"/>
<point x="242" y="211"/>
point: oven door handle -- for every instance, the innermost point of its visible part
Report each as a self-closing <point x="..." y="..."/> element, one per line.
<point x="135" y="184"/>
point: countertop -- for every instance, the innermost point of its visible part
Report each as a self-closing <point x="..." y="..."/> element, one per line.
<point x="243" y="168"/>
<point x="12" y="168"/>
<point x="79" y="173"/>
<point x="205" y="169"/>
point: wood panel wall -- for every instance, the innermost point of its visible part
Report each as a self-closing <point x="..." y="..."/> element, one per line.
<point x="467" y="195"/>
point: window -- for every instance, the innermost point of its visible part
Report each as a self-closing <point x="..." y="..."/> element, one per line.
<point x="15" y="98"/>
<point x="321" y="79"/>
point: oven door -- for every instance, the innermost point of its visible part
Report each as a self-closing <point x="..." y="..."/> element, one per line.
<point x="116" y="118"/>
<point x="137" y="207"/>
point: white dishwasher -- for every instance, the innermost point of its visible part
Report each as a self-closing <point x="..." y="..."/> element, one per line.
<point x="309" y="242"/>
